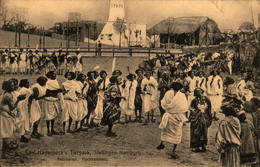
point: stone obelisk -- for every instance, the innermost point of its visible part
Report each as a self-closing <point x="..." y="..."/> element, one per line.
<point x="110" y="35"/>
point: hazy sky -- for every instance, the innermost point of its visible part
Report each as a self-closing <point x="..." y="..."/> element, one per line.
<point x="232" y="13"/>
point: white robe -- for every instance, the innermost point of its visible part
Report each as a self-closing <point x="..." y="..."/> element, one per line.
<point x="51" y="104"/>
<point x="192" y="85"/>
<point x="70" y="101"/>
<point x="175" y="105"/>
<point x="215" y="92"/>
<point x="100" y="101"/>
<point x="35" y="110"/>
<point x="149" y="95"/>
<point x="23" y="63"/>
<point x="82" y="102"/>
<point x="23" y="107"/>
<point x="128" y="104"/>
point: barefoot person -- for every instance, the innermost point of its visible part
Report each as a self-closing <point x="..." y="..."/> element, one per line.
<point x="138" y="96"/>
<point x="149" y="88"/>
<point x="200" y="119"/>
<point x="175" y="105"/>
<point x="8" y="114"/>
<point x="51" y="102"/>
<point x="112" y="109"/>
<point x="215" y="92"/>
<point x="35" y="107"/>
<point x="127" y="104"/>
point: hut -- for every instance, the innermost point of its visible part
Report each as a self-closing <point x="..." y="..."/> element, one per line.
<point x="247" y="31"/>
<point x="195" y="30"/>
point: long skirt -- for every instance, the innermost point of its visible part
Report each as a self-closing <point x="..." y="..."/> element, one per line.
<point x="7" y="125"/>
<point x="172" y="133"/>
<point x="35" y="112"/>
<point x="125" y="108"/>
<point x="99" y="108"/>
<point x="71" y="110"/>
<point x="231" y="157"/>
<point x="51" y="109"/>
<point x="22" y="66"/>
<point x="22" y="106"/>
<point x="198" y="136"/>
<point x="111" y="114"/>
<point x="82" y="109"/>
<point x="216" y="102"/>
<point x="257" y="147"/>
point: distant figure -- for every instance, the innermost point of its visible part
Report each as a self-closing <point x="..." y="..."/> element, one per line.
<point x="99" y="48"/>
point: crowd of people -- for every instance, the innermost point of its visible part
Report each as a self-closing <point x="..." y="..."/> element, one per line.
<point x="179" y="87"/>
<point x="39" y="62"/>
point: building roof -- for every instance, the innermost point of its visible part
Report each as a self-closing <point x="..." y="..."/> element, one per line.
<point x="183" y="25"/>
<point x="247" y="27"/>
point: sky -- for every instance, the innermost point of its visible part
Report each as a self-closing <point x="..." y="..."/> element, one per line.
<point x="228" y="14"/>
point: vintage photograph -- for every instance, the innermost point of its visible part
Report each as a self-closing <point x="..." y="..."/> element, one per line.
<point x="120" y="83"/>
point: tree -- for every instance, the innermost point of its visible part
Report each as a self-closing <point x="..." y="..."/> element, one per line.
<point x="120" y="26"/>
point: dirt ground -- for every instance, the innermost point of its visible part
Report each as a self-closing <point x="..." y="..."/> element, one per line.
<point x="135" y="144"/>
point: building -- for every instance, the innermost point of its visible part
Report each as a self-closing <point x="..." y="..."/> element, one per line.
<point x="118" y="32"/>
<point x="77" y="30"/>
<point x="195" y="30"/>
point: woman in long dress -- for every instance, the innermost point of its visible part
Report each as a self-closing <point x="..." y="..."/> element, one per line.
<point x="92" y="97"/>
<point x="256" y="123"/>
<point x="128" y="92"/>
<point x="215" y="92"/>
<point x="228" y="138"/>
<point x="51" y="103"/>
<point x="175" y="105"/>
<point x="8" y="114"/>
<point x="247" y="148"/>
<point x="200" y="120"/>
<point x="35" y="105"/>
<point x="82" y="102"/>
<point x="23" y="105"/>
<point x="138" y="95"/>
<point x="70" y="102"/>
<point x="149" y="96"/>
<point x="112" y="110"/>
<point x="102" y="84"/>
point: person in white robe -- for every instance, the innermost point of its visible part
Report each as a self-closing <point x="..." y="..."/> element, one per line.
<point x="78" y="66"/>
<point x="102" y="84"/>
<point x="149" y="96"/>
<point x="23" y="105"/>
<point x="8" y="114"/>
<point x="82" y="102"/>
<point x="23" y="63"/>
<point x="127" y="104"/>
<point x="191" y="83"/>
<point x="175" y="105"/>
<point x="51" y="104"/>
<point x="201" y="82"/>
<point x="19" y="121"/>
<point x="215" y="92"/>
<point x="70" y="112"/>
<point x="36" y="107"/>
<point x="13" y="63"/>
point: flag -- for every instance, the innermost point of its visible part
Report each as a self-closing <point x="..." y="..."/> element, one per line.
<point x="113" y="64"/>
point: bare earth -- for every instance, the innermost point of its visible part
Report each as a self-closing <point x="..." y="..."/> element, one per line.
<point x="135" y="144"/>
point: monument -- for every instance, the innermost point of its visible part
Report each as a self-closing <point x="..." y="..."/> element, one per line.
<point x="118" y="32"/>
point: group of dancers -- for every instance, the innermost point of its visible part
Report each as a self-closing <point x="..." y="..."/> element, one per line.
<point x="39" y="62"/>
<point x="182" y="94"/>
